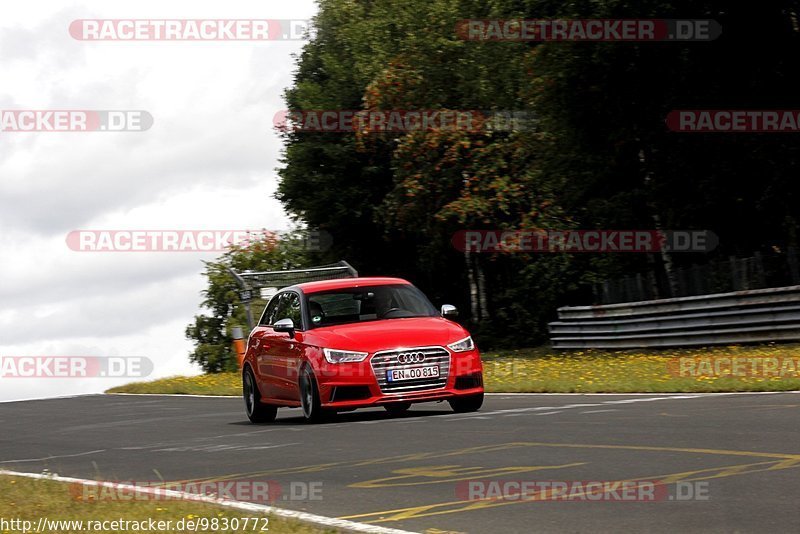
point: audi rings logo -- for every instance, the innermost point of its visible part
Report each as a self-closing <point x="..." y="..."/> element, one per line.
<point x="410" y="357"/>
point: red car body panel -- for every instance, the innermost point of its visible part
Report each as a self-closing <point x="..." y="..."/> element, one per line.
<point x="277" y="358"/>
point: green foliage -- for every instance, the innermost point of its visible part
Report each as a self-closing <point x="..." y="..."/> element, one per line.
<point x="600" y="157"/>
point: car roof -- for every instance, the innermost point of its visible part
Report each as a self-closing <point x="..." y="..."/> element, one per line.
<point x="341" y="283"/>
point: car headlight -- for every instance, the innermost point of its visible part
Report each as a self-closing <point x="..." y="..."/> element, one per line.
<point x="343" y="356"/>
<point x="463" y="345"/>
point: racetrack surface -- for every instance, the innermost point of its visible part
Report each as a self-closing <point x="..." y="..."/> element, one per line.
<point x="404" y="472"/>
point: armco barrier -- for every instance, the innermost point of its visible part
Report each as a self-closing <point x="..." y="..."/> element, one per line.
<point x="740" y="317"/>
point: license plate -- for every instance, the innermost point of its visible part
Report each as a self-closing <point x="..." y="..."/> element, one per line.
<point x="412" y="373"/>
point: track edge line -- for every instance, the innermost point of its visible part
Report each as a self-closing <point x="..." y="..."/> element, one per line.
<point x="350" y="526"/>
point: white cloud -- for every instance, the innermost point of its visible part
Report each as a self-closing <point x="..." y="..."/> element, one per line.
<point x="208" y="162"/>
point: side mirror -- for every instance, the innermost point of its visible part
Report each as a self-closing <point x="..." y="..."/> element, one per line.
<point x="449" y="311"/>
<point x="284" y="325"/>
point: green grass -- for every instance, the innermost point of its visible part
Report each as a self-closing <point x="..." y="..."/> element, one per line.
<point x="545" y="370"/>
<point x="211" y="384"/>
<point x="601" y="371"/>
<point x="29" y="499"/>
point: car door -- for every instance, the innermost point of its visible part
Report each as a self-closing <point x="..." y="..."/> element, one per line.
<point x="261" y="341"/>
<point x="285" y="352"/>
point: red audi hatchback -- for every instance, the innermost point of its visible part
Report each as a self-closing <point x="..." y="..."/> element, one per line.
<point x="339" y="345"/>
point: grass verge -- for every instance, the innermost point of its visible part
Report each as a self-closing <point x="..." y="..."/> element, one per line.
<point x="29" y="500"/>
<point x="548" y="371"/>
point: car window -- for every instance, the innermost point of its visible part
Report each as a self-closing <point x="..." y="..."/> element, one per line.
<point x="269" y="313"/>
<point x="291" y="309"/>
<point x="354" y="305"/>
<point x="287" y="307"/>
<point x="336" y="304"/>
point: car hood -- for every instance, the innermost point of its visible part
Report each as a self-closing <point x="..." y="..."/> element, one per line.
<point x="373" y="336"/>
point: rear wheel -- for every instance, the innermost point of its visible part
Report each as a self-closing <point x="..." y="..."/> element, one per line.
<point x="309" y="397"/>
<point x="397" y="408"/>
<point x="257" y="412"/>
<point x="472" y="403"/>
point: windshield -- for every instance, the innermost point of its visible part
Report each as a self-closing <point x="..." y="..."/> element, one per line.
<point x="370" y="303"/>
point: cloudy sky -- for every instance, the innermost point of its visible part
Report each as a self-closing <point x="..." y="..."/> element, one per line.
<point x="208" y="162"/>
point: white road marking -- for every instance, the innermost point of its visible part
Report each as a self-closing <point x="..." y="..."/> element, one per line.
<point x="52" y="457"/>
<point x="493" y="394"/>
<point x="516" y="412"/>
<point x="175" y="395"/>
<point x="201" y="438"/>
<point x="601" y="411"/>
<point x="129" y="422"/>
<point x="705" y="394"/>
<point x="50" y="398"/>
<point x="221" y="448"/>
<point x="238" y="434"/>
<point x="329" y="522"/>
<point x="531" y="410"/>
<point x="671" y="397"/>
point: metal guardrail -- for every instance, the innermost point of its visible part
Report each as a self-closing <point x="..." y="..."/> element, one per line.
<point x="251" y="283"/>
<point x="774" y="268"/>
<point x="739" y="317"/>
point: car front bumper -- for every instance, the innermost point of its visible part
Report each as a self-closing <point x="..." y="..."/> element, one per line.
<point x="359" y="385"/>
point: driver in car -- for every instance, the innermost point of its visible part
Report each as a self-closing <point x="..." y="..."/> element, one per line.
<point x="383" y="303"/>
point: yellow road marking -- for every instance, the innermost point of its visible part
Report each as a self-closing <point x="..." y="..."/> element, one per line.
<point x="784" y="461"/>
<point x="315" y="468"/>
<point x="460" y="506"/>
<point x="374" y="461"/>
<point x="721" y="452"/>
<point x="450" y="473"/>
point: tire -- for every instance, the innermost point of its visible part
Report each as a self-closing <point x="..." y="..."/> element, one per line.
<point x="397" y="408"/>
<point x="257" y="411"/>
<point x="313" y="412"/>
<point x="472" y="403"/>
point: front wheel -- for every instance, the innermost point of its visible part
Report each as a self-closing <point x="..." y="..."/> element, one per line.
<point x="472" y="403"/>
<point x="309" y="397"/>
<point x="257" y="412"/>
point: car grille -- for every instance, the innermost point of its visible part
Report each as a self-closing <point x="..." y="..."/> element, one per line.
<point x="388" y="360"/>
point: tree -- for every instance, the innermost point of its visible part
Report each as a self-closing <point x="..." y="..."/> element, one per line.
<point x="601" y="156"/>
<point x="211" y="333"/>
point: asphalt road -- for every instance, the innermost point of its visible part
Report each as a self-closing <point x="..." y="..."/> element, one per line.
<point x="740" y="453"/>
